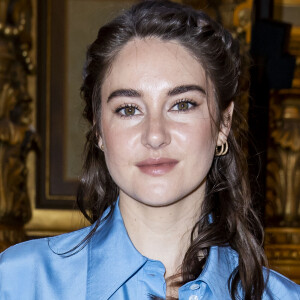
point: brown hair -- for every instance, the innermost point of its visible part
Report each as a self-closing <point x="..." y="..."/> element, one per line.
<point x="227" y="201"/>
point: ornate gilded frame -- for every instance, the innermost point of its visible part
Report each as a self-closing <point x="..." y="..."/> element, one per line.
<point x="53" y="189"/>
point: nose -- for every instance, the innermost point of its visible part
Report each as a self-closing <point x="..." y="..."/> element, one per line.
<point x="156" y="132"/>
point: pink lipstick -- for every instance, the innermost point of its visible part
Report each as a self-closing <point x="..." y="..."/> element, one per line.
<point x="157" y="167"/>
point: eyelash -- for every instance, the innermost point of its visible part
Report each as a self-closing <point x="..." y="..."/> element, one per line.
<point x="189" y="101"/>
<point x="123" y="106"/>
<point x="136" y="107"/>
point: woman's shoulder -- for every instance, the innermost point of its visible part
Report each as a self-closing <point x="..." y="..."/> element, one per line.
<point x="38" y="268"/>
<point x="23" y="252"/>
<point x="49" y="248"/>
<point x="280" y="287"/>
<point x="39" y="249"/>
<point x="277" y="285"/>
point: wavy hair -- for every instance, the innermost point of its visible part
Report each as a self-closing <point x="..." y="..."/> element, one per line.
<point x="227" y="201"/>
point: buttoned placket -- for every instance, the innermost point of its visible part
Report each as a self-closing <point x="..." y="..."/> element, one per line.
<point x="151" y="280"/>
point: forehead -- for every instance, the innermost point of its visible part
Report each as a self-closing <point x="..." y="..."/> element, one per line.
<point x="147" y="62"/>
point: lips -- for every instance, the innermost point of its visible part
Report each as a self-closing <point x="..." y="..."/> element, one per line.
<point x="157" y="167"/>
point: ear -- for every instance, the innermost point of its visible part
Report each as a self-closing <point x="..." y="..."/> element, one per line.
<point x="225" y="125"/>
<point x="100" y="142"/>
<point x="98" y="136"/>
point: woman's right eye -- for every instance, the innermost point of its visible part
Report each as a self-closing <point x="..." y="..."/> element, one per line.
<point x="128" y="110"/>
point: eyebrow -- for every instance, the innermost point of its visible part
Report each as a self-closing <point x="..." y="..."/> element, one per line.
<point x="186" y="88"/>
<point x="173" y="92"/>
<point x="124" y="93"/>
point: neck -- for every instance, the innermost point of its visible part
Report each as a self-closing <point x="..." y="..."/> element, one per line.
<point x="161" y="233"/>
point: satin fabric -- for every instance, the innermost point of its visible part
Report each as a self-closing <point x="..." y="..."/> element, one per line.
<point x="109" y="267"/>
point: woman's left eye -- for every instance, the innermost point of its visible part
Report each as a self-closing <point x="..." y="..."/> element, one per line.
<point x="128" y="110"/>
<point x="183" y="105"/>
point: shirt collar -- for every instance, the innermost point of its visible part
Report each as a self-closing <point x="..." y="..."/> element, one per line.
<point x="112" y="257"/>
<point x="221" y="262"/>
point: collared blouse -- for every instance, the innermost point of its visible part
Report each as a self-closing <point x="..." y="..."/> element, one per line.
<point x="109" y="267"/>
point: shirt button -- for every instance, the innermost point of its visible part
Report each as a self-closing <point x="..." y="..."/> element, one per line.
<point x="194" y="286"/>
<point x="193" y="297"/>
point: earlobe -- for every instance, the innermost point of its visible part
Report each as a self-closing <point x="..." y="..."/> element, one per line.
<point x="225" y="125"/>
<point x="99" y="138"/>
<point x="100" y="143"/>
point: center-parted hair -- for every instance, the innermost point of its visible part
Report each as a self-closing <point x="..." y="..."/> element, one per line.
<point x="227" y="216"/>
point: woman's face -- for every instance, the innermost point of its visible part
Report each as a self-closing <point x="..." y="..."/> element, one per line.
<point x="156" y="126"/>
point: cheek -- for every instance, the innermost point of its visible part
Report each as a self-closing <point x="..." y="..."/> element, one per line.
<point x="201" y="151"/>
<point x="120" y="143"/>
<point x="196" y="137"/>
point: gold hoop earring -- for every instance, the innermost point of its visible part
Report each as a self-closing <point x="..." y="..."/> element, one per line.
<point x="222" y="150"/>
<point x="102" y="147"/>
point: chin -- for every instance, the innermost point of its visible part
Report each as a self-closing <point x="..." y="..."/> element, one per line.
<point x="158" y="199"/>
<point x="155" y="203"/>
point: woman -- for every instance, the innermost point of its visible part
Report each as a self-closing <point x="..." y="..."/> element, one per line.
<point x="164" y="181"/>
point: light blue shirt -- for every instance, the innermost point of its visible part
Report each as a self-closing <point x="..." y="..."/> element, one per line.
<point x="109" y="267"/>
